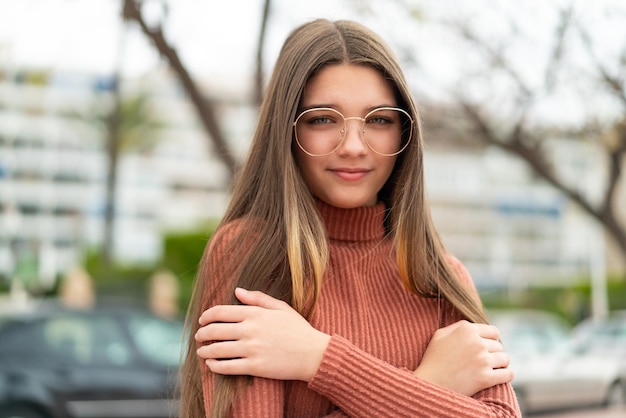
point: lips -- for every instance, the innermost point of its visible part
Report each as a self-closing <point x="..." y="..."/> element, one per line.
<point x="350" y="174"/>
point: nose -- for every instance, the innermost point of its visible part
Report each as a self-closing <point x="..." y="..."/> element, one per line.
<point x="353" y="142"/>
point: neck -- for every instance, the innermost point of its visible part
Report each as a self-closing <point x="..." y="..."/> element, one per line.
<point x="357" y="224"/>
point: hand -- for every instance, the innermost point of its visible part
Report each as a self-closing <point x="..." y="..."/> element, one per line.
<point x="265" y="337"/>
<point x="466" y="358"/>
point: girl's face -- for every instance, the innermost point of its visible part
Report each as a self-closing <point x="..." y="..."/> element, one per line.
<point x="353" y="174"/>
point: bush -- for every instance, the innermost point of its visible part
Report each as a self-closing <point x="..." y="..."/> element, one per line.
<point x="572" y="303"/>
<point x="181" y="255"/>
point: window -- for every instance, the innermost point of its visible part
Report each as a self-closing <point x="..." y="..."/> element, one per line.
<point x="157" y="339"/>
<point x="95" y="341"/>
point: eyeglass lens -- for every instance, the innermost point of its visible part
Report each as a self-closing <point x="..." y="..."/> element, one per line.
<point x="320" y="131"/>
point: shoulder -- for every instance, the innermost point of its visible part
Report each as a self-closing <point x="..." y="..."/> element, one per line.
<point x="227" y="231"/>
<point x="223" y="257"/>
<point x="238" y="231"/>
<point x="462" y="274"/>
<point x="457" y="265"/>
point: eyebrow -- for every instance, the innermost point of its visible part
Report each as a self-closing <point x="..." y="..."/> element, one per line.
<point x="335" y="107"/>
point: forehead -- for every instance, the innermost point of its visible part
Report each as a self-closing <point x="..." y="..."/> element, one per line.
<point x="348" y="87"/>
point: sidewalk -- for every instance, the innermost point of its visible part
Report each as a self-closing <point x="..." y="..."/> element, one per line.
<point x="587" y="413"/>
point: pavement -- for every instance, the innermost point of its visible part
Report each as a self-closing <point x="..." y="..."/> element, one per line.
<point x="586" y="413"/>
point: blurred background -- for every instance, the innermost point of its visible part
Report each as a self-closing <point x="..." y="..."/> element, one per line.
<point x="122" y="123"/>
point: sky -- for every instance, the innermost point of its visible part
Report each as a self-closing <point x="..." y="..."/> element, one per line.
<point x="84" y="35"/>
<point x="216" y="39"/>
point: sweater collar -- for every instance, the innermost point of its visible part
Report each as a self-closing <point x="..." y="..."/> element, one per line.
<point x="358" y="224"/>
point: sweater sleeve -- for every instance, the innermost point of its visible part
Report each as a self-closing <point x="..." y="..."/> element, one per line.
<point x="258" y="397"/>
<point x="364" y="386"/>
<point x="262" y="398"/>
<point x="464" y="277"/>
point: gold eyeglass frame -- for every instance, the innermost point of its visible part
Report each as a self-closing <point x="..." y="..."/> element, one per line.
<point x="343" y="131"/>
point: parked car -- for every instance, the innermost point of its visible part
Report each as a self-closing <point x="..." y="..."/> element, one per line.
<point x="606" y="336"/>
<point x="105" y="362"/>
<point x="551" y="371"/>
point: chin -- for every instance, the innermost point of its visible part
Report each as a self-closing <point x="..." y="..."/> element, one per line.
<point x="349" y="202"/>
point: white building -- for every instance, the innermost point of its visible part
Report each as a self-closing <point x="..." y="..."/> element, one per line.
<point x="509" y="228"/>
<point x="53" y="171"/>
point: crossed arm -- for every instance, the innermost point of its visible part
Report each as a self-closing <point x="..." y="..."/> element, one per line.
<point x="266" y="338"/>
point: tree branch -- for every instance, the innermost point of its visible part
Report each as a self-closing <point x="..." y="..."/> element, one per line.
<point x="615" y="84"/>
<point x="616" y="156"/>
<point x="258" y="93"/>
<point x="206" y="110"/>
<point x="559" y="47"/>
<point x="535" y="159"/>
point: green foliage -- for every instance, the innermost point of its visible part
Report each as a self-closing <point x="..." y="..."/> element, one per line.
<point x="182" y="252"/>
<point x="139" y="125"/>
<point x="572" y="303"/>
<point x="117" y="280"/>
<point x="37" y="77"/>
<point x="5" y="283"/>
<point x="181" y="255"/>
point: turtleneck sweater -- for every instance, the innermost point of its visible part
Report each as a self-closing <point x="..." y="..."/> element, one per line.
<point x="379" y="332"/>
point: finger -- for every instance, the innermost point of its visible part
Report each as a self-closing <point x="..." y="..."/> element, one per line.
<point x="224" y="313"/>
<point x="223" y="350"/>
<point x="500" y="360"/>
<point x="256" y="298"/>
<point x="502" y="375"/>
<point x="218" y="331"/>
<point x="488" y="331"/>
<point x="237" y="366"/>
<point x="493" y="346"/>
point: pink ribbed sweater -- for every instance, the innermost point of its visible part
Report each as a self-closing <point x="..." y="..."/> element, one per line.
<point x="379" y="333"/>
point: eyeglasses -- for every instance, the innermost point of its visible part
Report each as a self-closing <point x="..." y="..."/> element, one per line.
<point x="320" y="131"/>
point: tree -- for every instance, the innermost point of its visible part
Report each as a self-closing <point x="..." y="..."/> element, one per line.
<point x="521" y="130"/>
<point x="206" y="109"/>
<point x="508" y="82"/>
<point x="131" y="127"/>
<point x="259" y="78"/>
<point x="113" y="121"/>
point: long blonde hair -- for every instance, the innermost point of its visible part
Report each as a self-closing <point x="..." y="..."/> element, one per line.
<point x="288" y="256"/>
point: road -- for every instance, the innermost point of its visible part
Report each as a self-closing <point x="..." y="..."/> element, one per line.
<point x="587" y="413"/>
